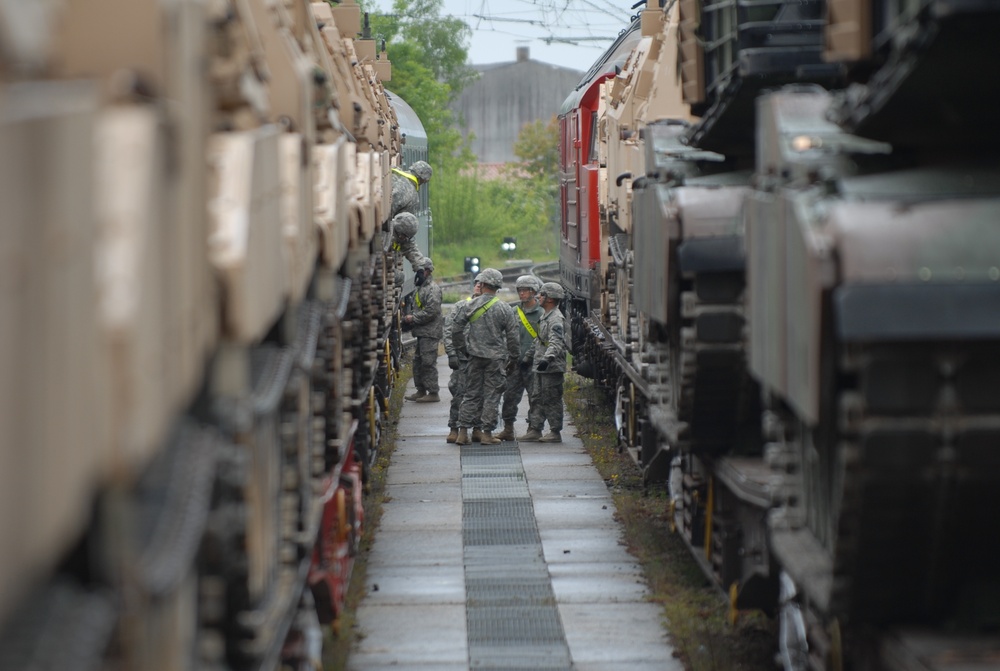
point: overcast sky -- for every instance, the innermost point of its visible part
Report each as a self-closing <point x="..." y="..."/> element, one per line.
<point x="500" y="26"/>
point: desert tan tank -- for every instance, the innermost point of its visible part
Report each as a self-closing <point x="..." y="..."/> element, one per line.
<point x="674" y="276"/>
<point x="643" y="92"/>
<point x="196" y="312"/>
<point x="807" y="342"/>
<point x="871" y="266"/>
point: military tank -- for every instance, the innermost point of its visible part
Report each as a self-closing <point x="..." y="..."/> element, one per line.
<point x="797" y="317"/>
<point x="196" y="317"/>
<point x="870" y="246"/>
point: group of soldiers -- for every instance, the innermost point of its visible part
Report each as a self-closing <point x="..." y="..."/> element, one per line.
<point x="495" y="352"/>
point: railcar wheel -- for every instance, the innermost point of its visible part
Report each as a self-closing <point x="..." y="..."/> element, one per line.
<point x="632" y="423"/>
<point x="733" y="614"/>
<point x="625" y="413"/>
<point x="793" y="644"/>
<point x="620" y="411"/>
<point x="835" y="658"/>
<point x="387" y="362"/>
<point x="374" y="423"/>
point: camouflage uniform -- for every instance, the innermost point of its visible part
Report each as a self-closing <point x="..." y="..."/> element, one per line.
<point x="405" y="197"/>
<point x="404" y="230"/>
<point x="520" y="379"/>
<point x="428" y="329"/>
<point x="407" y="247"/>
<point x="492" y="342"/>
<point x="405" y="194"/>
<point x="456" y="382"/>
<point x="549" y="346"/>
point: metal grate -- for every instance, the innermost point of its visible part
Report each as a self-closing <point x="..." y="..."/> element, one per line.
<point x="494" y="486"/>
<point x="511" y="615"/>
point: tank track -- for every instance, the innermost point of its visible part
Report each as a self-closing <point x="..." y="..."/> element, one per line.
<point x="710" y="396"/>
<point x="880" y="516"/>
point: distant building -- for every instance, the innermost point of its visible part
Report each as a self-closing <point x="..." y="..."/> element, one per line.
<point x="507" y="96"/>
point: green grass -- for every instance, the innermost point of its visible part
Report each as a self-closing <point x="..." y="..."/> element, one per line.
<point x="449" y="257"/>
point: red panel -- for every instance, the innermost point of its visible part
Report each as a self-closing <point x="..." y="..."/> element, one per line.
<point x="578" y="182"/>
<point x="591" y="227"/>
<point x="340" y="530"/>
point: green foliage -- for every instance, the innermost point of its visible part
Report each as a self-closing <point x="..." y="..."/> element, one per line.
<point x="537" y="146"/>
<point x="471" y="215"/>
<point x="429" y="57"/>
<point x="441" y="39"/>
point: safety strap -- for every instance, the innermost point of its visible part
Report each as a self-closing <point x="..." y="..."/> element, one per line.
<point x="527" y="324"/>
<point x="395" y="247"/>
<point x="416" y="297"/>
<point x="481" y="310"/>
<point x="412" y="178"/>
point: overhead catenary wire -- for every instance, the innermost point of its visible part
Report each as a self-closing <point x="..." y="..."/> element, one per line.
<point x="585" y="24"/>
<point x="562" y="19"/>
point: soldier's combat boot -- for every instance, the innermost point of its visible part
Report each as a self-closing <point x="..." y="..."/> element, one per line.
<point x="452" y="435"/>
<point x="415" y="395"/>
<point x="489" y="439"/>
<point x="477" y="435"/>
<point x="429" y="398"/>
<point x="463" y="437"/>
<point x="508" y="431"/>
<point x="551" y="437"/>
<point x="532" y="436"/>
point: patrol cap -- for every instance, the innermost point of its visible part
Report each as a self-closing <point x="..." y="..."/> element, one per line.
<point x="553" y="290"/>
<point x="422" y="171"/>
<point x="404" y="224"/>
<point x="528" y="282"/>
<point x="426" y="264"/>
<point x="491" y="277"/>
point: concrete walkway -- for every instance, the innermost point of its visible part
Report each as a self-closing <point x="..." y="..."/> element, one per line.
<point x="414" y="614"/>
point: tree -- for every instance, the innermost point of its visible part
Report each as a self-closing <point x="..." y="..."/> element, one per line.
<point x="441" y="39"/>
<point x="429" y="56"/>
<point x="429" y="69"/>
<point x="537" y="146"/>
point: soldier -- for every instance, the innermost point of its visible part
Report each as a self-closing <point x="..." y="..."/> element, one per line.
<point x="426" y="323"/>
<point x="550" y="368"/>
<point x="457" y="362"/>
<point x="404" y="230"/>
<point x="528" y="314"/>
<point x="404" y="208"/>
<point x="405" y="188"/>
<point x="493" y="349"/>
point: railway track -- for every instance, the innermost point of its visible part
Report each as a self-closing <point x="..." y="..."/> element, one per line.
<point x="546" y="272"/>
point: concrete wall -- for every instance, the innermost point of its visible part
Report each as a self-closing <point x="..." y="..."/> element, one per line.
<point x="507" y="96"/>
